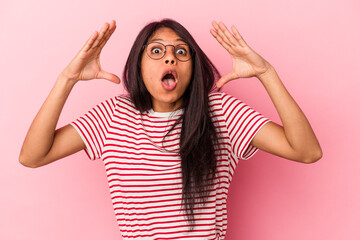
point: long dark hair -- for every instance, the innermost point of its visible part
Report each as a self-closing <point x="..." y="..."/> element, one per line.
<point x="198" y="138"/>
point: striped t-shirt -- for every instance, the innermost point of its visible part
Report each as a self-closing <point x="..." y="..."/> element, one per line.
<point x="144" y="170"/>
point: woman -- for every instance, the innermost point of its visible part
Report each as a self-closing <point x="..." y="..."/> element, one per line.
<point x="171" y="146"/>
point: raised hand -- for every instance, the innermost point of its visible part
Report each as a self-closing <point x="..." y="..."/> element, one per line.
<point x="246" y="62"/>
<point x="86" y="64"/>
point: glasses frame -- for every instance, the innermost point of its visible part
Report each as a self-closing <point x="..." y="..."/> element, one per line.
<point x="191" y="51"/>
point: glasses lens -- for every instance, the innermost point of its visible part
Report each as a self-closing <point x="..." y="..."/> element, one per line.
<point x="182" y="52"/>
<point x="155" y="50"/>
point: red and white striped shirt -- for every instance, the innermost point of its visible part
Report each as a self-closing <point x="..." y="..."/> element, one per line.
<point x="144" y="172"/>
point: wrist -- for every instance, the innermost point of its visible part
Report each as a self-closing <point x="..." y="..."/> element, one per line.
<point x="63" y="85"/>
<point x="63" y="79"/>
<point x="269" y="73"/>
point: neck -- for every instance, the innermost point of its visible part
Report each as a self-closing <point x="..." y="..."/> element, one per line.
<point x="166" y="107"/>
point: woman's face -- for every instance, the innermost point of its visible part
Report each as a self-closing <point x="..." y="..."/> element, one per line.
<point x="167" y="78"/>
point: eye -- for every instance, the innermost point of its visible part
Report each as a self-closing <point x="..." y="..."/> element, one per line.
<point x="156" y="50"/>
<point x="181" y="51"/>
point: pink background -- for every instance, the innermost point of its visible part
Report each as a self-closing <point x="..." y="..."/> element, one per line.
<point x="313" y="45"/>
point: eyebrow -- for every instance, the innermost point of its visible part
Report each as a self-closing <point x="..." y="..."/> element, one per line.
<point x="162" y="40"/>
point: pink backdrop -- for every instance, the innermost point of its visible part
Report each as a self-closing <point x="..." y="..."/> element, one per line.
<point x="313" y="45"/>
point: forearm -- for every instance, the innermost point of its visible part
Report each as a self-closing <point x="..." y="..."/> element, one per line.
<point x="297" y="128"/>
<point x="40" y="136"/>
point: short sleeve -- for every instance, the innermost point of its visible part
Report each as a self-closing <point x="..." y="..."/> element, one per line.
<point x="242" y="123"/>
<point x="94" y="126"/>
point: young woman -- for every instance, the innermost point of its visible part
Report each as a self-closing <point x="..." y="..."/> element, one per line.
<point x="170" y="147"/>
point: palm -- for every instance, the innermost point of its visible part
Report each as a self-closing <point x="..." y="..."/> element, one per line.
<point x="86" y="64"/>
<point x="246" y="62"/>
<point x="241" y="69"/>
<point x="91" y="70"/>
<point x="85" y="67"/>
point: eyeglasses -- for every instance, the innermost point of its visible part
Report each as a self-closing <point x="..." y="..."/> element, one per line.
<point x="157" y="50"/>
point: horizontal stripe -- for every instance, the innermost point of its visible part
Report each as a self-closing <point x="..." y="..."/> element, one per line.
<point x="144" y="169"/>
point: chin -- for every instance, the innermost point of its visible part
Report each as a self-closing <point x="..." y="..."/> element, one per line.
<point x="170" y="100"/>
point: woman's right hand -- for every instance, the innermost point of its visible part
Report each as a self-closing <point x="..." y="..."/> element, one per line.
<point x="86" y="64"/>
<point x="43" y="144"/>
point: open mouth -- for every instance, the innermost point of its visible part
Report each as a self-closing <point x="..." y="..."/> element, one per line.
<point x="169" y="80"/>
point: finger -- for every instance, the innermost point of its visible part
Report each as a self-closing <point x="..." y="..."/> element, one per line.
<point x="108" y="35"/>
<point x="108" y="76"/>
<point x="103" y="39"/>
<point x="238" y="36"/>
<point x="228" y="34"/>
<point x="224" y="79"/>
<point x="221" y="33"/>
<point x="220" y="40"/>
<point x="102" y="32"/>
<point x="89" y="42"/>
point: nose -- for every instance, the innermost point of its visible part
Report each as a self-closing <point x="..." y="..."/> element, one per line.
<point x="167" y="61"/>
<point x="169" y="56"/>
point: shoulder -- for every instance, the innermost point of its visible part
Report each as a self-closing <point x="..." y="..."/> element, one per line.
<point x="125" y="105"/>
<point x="216" y="103"/>
<point x="122" y="100"/>
<point x="115" y="104"/>
<point x="222" y="98"/>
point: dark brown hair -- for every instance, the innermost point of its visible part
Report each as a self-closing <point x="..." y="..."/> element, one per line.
<point x="198" y="138"/>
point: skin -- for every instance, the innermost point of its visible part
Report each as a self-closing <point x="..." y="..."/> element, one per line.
<point x="295" y="140"/>
<point x="152" y="70"/>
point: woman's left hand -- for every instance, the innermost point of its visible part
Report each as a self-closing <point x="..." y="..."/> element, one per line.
<point x="246" y="62"/>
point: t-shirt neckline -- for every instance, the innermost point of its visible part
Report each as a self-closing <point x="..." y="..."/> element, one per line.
<point x="177" y="112"/>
